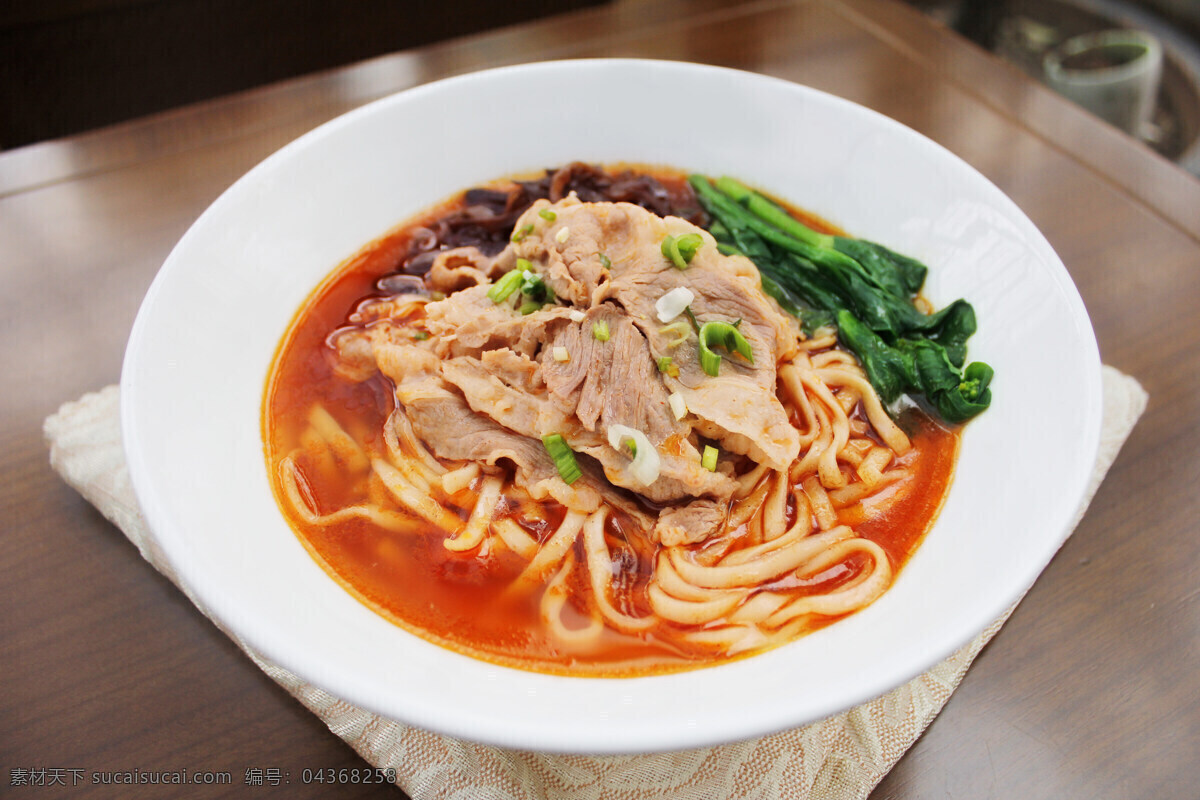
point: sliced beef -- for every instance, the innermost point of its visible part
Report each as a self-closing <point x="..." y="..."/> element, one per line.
<point x="693" y="522"/>
<point x="490" y="382"/>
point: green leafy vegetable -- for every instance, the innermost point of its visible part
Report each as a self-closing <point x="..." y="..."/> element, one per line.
<point x="865" y="287"/>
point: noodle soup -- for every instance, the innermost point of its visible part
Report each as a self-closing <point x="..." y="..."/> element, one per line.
<point x="497" y="427"/>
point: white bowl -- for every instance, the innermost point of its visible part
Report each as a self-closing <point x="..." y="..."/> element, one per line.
<point x="198" y="355"/>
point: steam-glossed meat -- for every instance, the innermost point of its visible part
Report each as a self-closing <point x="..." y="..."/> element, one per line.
<point x="492" y="376"/>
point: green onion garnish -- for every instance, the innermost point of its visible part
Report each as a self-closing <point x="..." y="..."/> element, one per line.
<point x="604" y="262"/>
<point x="547" y="215"/>
<point x="678" y="331"/>
<point x="709" y="459"/>
<point x="528" y="307"/>
<point x="665" y="364"/>
<point x="564" y="457"/>
<point x="721" y="334"/>
<point x="421" y="336"/>
<point x="680" y="250"/>
<point x="600" y="331"/>
<point x="504" y="287"/>
<point x="521" y="232"/>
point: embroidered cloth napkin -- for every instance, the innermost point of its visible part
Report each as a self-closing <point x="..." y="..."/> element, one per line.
<point x="838" y="758"/>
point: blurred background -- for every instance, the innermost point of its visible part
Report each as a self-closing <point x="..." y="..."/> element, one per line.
<point x="68" y="66"/>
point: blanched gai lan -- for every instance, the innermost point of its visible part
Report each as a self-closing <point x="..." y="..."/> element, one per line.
<point x="490" y="382"/>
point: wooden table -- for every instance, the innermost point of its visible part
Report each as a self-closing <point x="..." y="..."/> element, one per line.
<point x="1092" y="688"/>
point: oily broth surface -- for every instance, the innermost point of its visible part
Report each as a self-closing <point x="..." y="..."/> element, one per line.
<point x="458" y="600"/>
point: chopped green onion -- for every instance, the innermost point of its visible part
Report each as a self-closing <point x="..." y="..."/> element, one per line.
<point x="665" y="364"/>
<point x="688" y="244"/>
<point x="604" y="262"/>
<point x="504" y="287"/>
<point x="521" y="232"/>
<point x="528" y="307"/>
<point x="547" y="215"/>
<point x="600" y="331"/>
<point x="678" y="405"/>
<point x="672" y="303"/>
<point x="564" y="457"/>
<point x="680" y="250"/>
<point x="533" y="287"/>
<point x="709" y="459"/>
<point x="678" y="331"/>
<point x="646" y="462"/>
<point x="692" y="319"/>
<point x="721" y="334"/>
<point x="421" y="336"/>
<point x="525" y="265"/>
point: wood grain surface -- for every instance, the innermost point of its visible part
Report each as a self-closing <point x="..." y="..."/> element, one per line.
<point x="1089" y="691"/>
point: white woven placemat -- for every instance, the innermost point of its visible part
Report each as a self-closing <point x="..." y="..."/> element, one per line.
<point x="839" y="758"/>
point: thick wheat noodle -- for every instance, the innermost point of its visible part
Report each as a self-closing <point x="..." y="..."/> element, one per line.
<point x="289" y="477"/>
<point x="818" y="500"/>
<point x="872" y="466"/>
<point x="843" y="600"/>
<point x="412" y="469"/>
<point x="847" y="398"/>
<point x="554" y="600"/>
<point x="411" y="498"/>
<point x="747" y="507"/>
<point x="551" y="553"/>
<point x="855" y="492"/>
<point x="341" y="443"/>
<point x="732" y="639"/>
<point x="818" y="343"/>
<point x="827" y="466"/>
<point x="689" y="612"/>
<point x="810" y="428"/>
<point x="800" y="528"/>
<point x="757" y="572"/>
<point x="480" y="520"/>
<point x="754" y="527"/>
<point x="455" y="480"/>
<point x="749" y="480"/>
<point x="809" y="462"/>
<point x="891" y="434"/>
<point x="600" y="573"/>
<point x="774" y="510"/>
<point x="321" y="460"/>
<point x="855" y="450"/>
<point x="760" y="606"/>
<point x="832" y="357"/>
<point x="666" y="578"/>
<point x="516" y="538"/>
